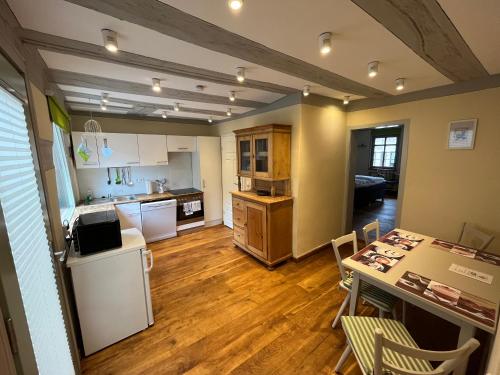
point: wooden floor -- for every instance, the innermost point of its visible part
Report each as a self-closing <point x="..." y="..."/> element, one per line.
<point x="384" y="211"/>
<point x="218" y="311"/>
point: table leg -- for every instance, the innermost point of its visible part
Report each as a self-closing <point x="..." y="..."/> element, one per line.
<point x="467" y="331"/>
<point x="354" y="293"/>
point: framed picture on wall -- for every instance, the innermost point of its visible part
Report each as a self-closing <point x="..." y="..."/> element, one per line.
<point x="461" y="134"/>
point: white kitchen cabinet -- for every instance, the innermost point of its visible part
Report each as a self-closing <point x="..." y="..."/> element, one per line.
<point x="129" y="215"/>
<point x="91" y="143"/>
<point x="152" y="149"/>
<point x="181" y="143"/>
<point x="125" y="150"/>
<point x="207" y="177"/>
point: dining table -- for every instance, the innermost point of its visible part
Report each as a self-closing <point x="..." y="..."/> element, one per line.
<point x="458" y="284"/>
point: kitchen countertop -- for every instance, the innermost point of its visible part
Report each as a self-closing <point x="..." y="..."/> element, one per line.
<point x="261" y="198"/>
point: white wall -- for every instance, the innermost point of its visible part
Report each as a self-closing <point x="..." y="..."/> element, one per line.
<point x="362" y="142"/>
<point x="178" y="173"/>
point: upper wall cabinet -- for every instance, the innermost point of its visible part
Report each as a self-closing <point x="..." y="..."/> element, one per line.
<point x="180" y="143"/>
<point x="152" y="149"/>
<point x="118" y="150"/>
<point x="264" y="152"/>
<point x="85" y="147"/>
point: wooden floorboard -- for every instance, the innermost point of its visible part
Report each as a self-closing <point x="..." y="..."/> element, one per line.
<point x="219" y="311"/>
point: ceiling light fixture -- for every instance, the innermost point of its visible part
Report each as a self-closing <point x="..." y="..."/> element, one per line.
<point x="110" y="40"/>
<point x="229" y="113"/>
<point x="156" y="85"/>
<point x="177" y="108"/>
<point x="105" y="97"/>
<point x="103" y="106"/>
<point x="400" y="84"/>
<point x="210" y="120"/>
<point x="164" y="114"/>
<point x="235" y="4"/>
<point x="306" y="90"/>
<point x="325" y="43"/>
<point x="372" y="69"/>
<point x="232" y="96"/>
<point x="240" y="74"/>
<point x="346" y="100"/>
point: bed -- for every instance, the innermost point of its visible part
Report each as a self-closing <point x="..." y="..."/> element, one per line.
<point x="367" y="189"/>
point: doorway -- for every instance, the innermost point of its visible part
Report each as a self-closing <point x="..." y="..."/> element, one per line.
<point x="377" y="161"/>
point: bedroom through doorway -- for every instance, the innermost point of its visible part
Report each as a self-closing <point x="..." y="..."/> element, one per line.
<point x="375" y="177"/>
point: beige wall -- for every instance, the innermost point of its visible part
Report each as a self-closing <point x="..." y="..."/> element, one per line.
<point x="124" y="125"/>
<point x="444" y="188"/>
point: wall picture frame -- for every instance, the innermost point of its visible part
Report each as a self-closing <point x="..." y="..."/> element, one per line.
<point x="462" y="134"/>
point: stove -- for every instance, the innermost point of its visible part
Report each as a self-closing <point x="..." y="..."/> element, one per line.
<point x="184" y="191"/>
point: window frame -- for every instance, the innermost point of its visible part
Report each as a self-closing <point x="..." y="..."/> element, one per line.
<point x="372" y="151"/>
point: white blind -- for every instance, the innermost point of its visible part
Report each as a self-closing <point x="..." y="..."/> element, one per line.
<point x="21" y="205"/>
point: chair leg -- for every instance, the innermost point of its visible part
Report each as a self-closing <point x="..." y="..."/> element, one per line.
<point x="393" y="312"/>
<point x="403" y="312"/>
<point x="343" y="358"/>
<point x="341" y="310"/>
<point x="381" y="313"/>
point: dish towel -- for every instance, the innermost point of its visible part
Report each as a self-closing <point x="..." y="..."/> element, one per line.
<point x="196" y="205"/>
<point x="188" y="208"/>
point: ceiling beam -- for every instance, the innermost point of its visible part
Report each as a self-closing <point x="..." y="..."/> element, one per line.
<point x="100" y="83"/>
<point x="82" y="49"/>
<point x="128" y="116"/>
<point x="96" y="107"/>
<point x="425" y="28"/>
<point x="167" y="20"/>
<point x="139" y="104"/>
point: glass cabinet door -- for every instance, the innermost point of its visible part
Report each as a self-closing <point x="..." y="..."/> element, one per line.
<point x="261" y="150"/>
<point x="245" y="155"/>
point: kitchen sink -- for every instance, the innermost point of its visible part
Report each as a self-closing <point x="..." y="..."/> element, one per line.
<point x="124" y="198"/>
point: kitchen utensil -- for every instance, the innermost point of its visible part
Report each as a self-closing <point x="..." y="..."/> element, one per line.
<point x="124" y="177"/>
<point x="149" y="187"/>
<point x="83" y="151"/>
<point x="106" y="151"/>
<point x="130" y="182"/>
<point x="118" y="180"/>
<point x="109" y="176"/>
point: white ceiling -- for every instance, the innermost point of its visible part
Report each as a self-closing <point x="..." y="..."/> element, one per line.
<point x="290" y="27"/>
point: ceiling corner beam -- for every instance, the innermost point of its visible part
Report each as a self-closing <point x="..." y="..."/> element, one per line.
<point x="165" y="19"/>
<point x="425" y="28"/>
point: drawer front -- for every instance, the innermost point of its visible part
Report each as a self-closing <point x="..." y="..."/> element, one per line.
<point x="239" y="234"/>
<point x="239" y="204"/>
<point x="239" y="217"/>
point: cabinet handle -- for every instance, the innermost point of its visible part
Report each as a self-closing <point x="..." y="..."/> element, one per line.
<point x="182" y="148"/>
<point x="132" y="162"/>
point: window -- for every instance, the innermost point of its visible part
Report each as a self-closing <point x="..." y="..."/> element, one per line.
<point x="63" y="179"/>
<point x="384" y="151"/>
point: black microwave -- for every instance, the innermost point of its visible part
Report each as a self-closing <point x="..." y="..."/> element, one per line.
<point x="96" y="231"/>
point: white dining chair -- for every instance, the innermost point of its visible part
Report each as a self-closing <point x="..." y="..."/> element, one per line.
<point x="384" y="346"/>
<point x="373" y="226"/>
<point x="473" y="237"/>
<point x="383" y="301"/>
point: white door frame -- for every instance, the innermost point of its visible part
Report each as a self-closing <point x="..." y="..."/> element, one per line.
<point x="227" y="138"/>
<point x="349" y="175"/>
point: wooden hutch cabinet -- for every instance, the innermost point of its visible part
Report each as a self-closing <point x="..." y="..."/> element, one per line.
<point x="262" y="225"/>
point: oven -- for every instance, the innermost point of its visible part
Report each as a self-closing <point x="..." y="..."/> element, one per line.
<point x="190" y="211"/>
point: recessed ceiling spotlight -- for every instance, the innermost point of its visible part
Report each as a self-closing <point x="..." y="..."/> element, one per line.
<point x="306" y="90"/>
<point x="235" y="4"/>
<point x="210" y="120"/>
<point x="164" y="114"/>
<point x="103" y="106"/>
<point x="372" y="69"/>
<point x="346" y="100"/>
<point x="156" y="85"/>
<point x="200" y="88"/>
<point x="240" y="74"/>
<point x="177" y="107"/>
<point x="232" y="96"/>
<point x="325" y="43"/>
<point x="229" y="113"/>
<point x="400" y="84"/>
<point x="110" y="40"/>
<point x="105" y="97"/>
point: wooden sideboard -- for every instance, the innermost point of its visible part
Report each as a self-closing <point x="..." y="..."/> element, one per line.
<point x="262" y="226"/>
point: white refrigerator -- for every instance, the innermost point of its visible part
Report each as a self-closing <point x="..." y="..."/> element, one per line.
<point x="112" y="292"/>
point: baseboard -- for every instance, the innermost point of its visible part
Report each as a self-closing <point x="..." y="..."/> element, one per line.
<point x="311" y="252"/>
<point x="190" y="225"/>
<point x="213" y="223"/>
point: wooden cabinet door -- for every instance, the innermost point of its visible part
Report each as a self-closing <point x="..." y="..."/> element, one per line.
<point x="90" y="142"/>
<point x="152" y="149"/>
<point x="245" y="159"/>
<point x="262" y="155"/>
<point x="256" y="229"/>
<point x="124" y="150"/>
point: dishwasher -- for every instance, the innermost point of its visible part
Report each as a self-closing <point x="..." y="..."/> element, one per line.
<point x="159" y="220"/>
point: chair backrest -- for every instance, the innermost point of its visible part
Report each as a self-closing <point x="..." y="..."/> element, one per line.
<point x="375" y="225"/>
<point x="336" y="243"/>
<point x="450" y="360"/>
<point x="473" y="237"/>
